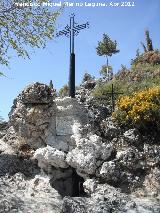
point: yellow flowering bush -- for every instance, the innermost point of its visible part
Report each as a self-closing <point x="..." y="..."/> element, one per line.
<point x="142" y="109"/>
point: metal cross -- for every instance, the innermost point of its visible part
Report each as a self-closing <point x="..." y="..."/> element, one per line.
<point x="112" y="94"/>
<point x="71" y="31"/>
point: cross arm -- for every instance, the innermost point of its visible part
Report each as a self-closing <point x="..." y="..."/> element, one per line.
<point x="114" y="93"/>
<point x="81" y="26"/>
<point x="63" y="32"/>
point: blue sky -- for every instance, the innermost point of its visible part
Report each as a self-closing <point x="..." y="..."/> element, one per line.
<point x="124" y="24"/>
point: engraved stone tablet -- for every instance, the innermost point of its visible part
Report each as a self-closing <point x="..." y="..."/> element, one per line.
<point x="64" y="125"/>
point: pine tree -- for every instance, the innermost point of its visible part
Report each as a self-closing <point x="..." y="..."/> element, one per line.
<point x="107" y="72"/>
<point x="87" y="77"/>
<point x="107" y="48"/>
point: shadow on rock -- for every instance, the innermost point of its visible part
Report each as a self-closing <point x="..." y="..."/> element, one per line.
<point x="11" y="164"/>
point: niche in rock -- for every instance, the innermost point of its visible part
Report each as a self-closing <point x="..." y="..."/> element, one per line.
<point x="67" y="182"/>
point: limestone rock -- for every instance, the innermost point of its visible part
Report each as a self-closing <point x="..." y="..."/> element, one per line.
<point x="88" y="154"/>
<point x="109" y="129"/>
<point x="75" y="143"/>
<point x="132" y="159"/>
<point x="152" y="183"/>
<point x="31" y="114"/>
<point x="50" y="156"/>
<point x="109" y="171"/>
<point x="131" y="135"/>
<point x="89" y="85"/>
<point x="152" y="154"/>
<point x="84" y="205"/>
<point x="18" y="194"/>
<point x="90" y="185"/>
<point x="10" y="164"/>
<point x="83" y="162"/>
<point x="3" y="128"/>
<point x="59" y="143"/>
<point x="36" y="93"/>
<point x="106" y="199"/>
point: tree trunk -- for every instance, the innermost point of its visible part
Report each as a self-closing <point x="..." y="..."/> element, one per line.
<point x="107" y="69"/>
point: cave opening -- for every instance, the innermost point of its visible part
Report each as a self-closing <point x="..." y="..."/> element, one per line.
<point x="78" y="189"/>
<point x="68" y="183"/>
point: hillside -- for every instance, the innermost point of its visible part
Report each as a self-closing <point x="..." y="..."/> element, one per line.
<point x="143" y="73"/>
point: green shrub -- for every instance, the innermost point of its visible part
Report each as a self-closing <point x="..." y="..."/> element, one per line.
<point x="64" y="91"/>
<point x="87" y="77"/>
<point x="151" y="57"/>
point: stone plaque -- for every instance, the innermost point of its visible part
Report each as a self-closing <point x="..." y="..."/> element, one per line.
<point x="64" y="125"/>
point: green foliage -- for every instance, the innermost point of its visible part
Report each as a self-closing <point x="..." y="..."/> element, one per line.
<point x="106" y="71"/>
<point x="106" y="47"/>
<point x="100" y="92"/>
<point x="87" y="77"/>
<point x="51" y="84"/>
<point x="138" y="78"/>
<point x="148" y="41"/>
<point x="151" y="57"/>
<point x="149" y="46"/>
<point x="64" y="91"/>
<point x="23" y="27"/>
<point x="144" y="47"/>
<point x="54" y="93"/>
<point x="128" y="81"/>
<point x="137" y="53"/>
<point x="1" y="74"/>
<point x="145" y="69"/>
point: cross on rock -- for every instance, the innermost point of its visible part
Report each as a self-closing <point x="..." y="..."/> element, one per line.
<point x="71" y="31"/>
<point x="112" y="94"/>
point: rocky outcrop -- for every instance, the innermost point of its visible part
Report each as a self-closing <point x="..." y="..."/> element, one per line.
<point x="89" y="154"/>
<point x="20" y="194"/>
<point x="3" y="128"/>
<point x="36" y="93"/>
<point x="97" y="111"/>
<point x="107" y="199"/>
<point x="63" y="156"/>
<point x="49" y="156"/>
<point x="31" y="114"/>
<point x="40" y="120"/>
